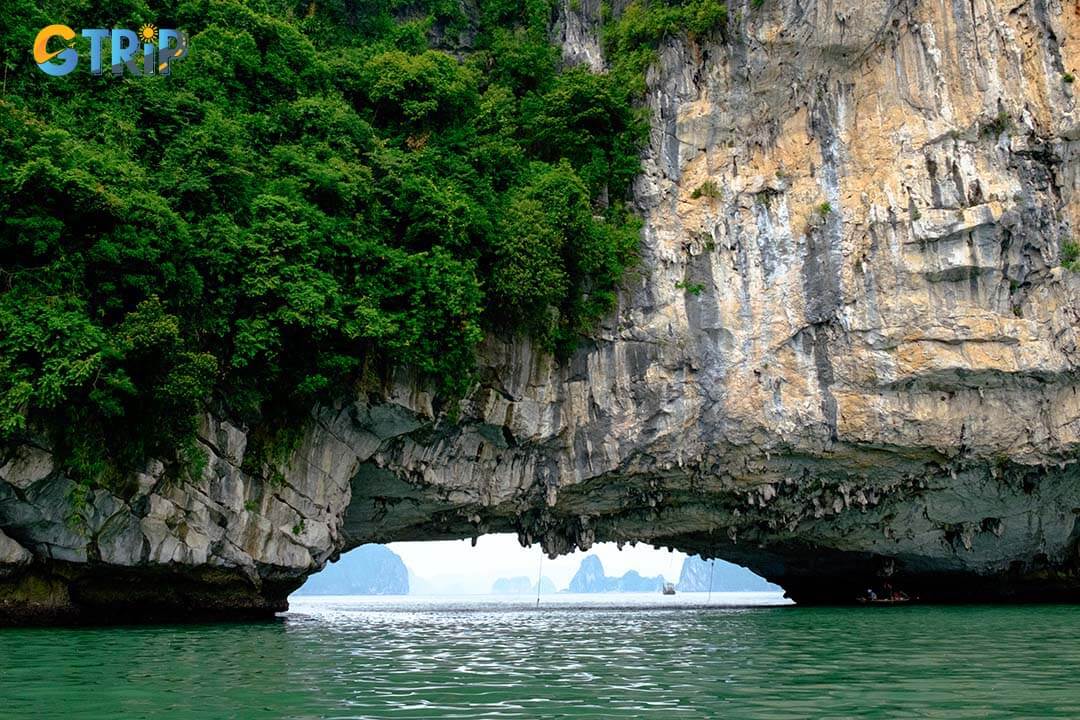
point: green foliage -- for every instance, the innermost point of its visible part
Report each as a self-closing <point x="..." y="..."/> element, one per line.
<point x="694" y="289"/>
<point x="316" y="190"/>
<point x="633" y="37"/>
<point x="586" y="119"/>
<point x="1068" y="78"/>
<point x="552" y="254"/>
<point x="417" y="91"/>
<point x="1070" y="256"/>
<point x="1001" y="123"/>
<point x="824" y="209"/>
<point x="708" y="189"/>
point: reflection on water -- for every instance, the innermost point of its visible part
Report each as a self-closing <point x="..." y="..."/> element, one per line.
<point x="403" y="657"/>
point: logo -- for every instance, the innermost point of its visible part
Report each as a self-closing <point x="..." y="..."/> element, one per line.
<point x="148" y="51"/>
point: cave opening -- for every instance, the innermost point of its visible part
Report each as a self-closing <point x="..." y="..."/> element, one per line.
<point x="497" y="567"/>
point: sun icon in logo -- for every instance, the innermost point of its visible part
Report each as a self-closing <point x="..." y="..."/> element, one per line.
<point x="148" y="33"/>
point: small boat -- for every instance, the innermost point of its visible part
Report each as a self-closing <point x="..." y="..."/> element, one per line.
<point x="668" y="589"/>
<point x="873" y="599"/>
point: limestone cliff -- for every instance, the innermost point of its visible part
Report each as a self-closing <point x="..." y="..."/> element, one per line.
<point x="849" y="353"/>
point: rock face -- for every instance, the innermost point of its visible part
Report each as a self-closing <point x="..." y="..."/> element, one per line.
<point x="700" y="575"/>
<point x="367" y="570"/>
<point x="856" y="360"/>
<point x="590" y="578"/>
<point x="219" y="545"/>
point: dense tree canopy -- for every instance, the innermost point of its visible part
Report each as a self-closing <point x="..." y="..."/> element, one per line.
<point x="320" y="185"/>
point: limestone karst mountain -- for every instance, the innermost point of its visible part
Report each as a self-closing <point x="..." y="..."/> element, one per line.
<point x="590" y="578"/>
<point x="367" y="570"/>
<point x="848" y="354"/>
<point x="700" y="575"/>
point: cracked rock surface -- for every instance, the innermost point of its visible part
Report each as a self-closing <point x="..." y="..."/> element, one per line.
<point x="857" y="364"/>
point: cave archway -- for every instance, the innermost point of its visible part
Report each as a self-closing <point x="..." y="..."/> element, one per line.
<point x="826" y="529"/>
<point x="498" y="566"/>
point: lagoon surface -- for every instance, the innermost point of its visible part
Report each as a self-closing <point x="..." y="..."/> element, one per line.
<point x="596" y="656"/>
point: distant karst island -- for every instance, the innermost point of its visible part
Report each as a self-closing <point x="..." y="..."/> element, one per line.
<point x="722" y="576"/>
<point x="377" y="570"/>
<point x="697" y="575"/>
<point x="590" y="578"/>
<point x="521" y="585"/>
<point x="367" y="570"/>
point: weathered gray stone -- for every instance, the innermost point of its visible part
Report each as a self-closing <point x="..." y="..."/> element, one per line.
<point x="12" y="553"/>
<point x="25" y="466"/>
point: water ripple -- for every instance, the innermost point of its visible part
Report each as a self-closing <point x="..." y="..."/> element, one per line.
<point x="400" y="658"/>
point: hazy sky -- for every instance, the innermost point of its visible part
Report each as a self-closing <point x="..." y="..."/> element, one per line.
<point x="498" y="556"/>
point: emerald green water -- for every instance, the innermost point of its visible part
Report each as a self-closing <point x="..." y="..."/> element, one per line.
<point x="356" y="658"/>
